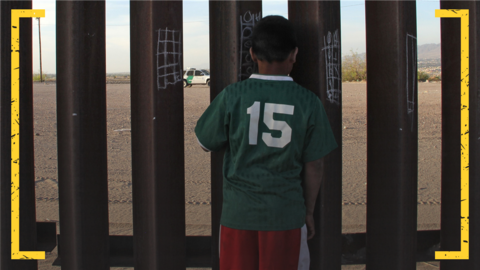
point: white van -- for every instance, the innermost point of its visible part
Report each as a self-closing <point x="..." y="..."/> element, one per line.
<point x="193" y="76"/>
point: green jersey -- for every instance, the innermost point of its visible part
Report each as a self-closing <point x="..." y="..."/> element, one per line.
<point x="270" y="127"/>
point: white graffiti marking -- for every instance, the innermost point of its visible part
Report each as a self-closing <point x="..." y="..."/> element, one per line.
<point x="169" y="57"/>
<point x="332" y="65"/>
<point x="246" y="64"/>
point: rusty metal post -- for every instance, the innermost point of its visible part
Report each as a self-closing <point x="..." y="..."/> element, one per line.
<point x="450" y="217"/>
<point x="318" y="68"/>
<point x="5" y="131"/>
<point x="474" y="7"/>
<point x="231" y="23"/>
<point x="82" y="134"/>
<point x="392" y="134"/>
<point x="28" y="235"/>
<point x="156" y="42"/>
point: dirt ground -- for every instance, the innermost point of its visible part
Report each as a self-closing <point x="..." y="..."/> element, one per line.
<point x="197" y="162"/>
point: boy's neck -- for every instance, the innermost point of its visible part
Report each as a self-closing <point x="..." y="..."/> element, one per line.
<point x="274" y="68"/>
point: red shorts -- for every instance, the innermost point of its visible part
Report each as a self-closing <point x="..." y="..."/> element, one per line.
<point x="263" y="250"/>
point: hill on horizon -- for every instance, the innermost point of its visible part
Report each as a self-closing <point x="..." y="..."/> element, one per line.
<point x="429" y="51"/>
<point x="425" y="51"/>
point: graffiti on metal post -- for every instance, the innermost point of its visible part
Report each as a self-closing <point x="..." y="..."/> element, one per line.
<point x="332" y="65"/>
<point x="411" y="52"/>
<point x="246" y="64"/>
<point x="169" y="57"/>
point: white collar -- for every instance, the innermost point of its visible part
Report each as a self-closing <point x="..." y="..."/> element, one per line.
<point x="271" y="77"/>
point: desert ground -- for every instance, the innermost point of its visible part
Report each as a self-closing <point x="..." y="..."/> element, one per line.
<point x="197" y="162"/>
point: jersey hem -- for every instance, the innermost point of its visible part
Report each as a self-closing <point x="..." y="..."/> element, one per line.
<point x="263" y="228"/>
<point x="319" y="155"/>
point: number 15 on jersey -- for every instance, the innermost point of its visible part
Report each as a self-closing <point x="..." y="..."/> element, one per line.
<point x="270" y="109"/>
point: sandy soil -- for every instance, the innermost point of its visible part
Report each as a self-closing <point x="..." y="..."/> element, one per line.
<point x="197" y="163"/>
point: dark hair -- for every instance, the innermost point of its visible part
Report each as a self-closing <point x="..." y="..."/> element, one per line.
<point x="273" y="39"/>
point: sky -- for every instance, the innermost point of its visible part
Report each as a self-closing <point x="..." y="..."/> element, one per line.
<point x="196" y="31"/>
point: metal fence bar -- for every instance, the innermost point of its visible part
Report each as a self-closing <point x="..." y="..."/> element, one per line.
<point x="28" y="224"/>
<point x="5" y="129"/>
<point x="226" y="68"/>
<point x="450" y="217"/>
<point x="156" y="38"/>
<point x="474" y="7"/>
<point x="450" y="221"/>
<point x="28" y="235"/>
<point x="82" y="134"/>
<point x="392" y="134"/>
<point x="318" y="68"/>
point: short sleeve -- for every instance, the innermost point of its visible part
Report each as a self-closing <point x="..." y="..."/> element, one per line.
<point x="212" y="127"/>
<point x="319" y="139"/>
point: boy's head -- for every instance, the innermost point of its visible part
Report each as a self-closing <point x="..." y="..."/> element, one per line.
<point x="273" y="39"/>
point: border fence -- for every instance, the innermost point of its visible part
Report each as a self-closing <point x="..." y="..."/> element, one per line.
<point x="159" y="241"/>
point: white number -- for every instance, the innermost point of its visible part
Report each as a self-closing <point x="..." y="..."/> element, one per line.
<point x="254" y="112"/>
<point x="270" y="109"/>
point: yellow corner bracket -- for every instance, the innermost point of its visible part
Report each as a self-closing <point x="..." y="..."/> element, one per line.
<point x="15" y="46"/>
<point x="463" y="254"/>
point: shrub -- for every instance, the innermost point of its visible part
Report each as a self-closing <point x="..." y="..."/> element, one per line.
<point x="422" y="76"/>
<point x="435" y="79"/>
<point x="36" y="77"/>
<point x="354" y="68"/>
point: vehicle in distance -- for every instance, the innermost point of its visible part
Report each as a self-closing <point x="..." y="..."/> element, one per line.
<point x="193" y="76"/>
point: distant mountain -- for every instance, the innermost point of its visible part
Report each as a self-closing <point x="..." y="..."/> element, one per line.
<point x="425" y="51"/>
<point x="429" y="51"/>
<point x="118" y="74"/>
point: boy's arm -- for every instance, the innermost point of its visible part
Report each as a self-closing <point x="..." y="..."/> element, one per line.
<point x="212" y="127"/>
<point x="313" y="179"/>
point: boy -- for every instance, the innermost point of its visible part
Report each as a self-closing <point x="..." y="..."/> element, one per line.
<point x="271" y="129"/>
